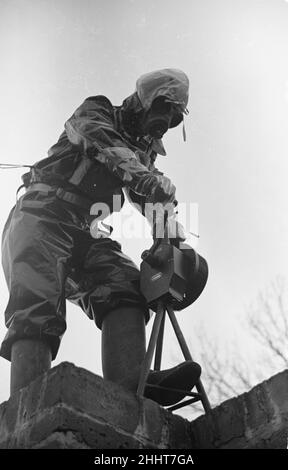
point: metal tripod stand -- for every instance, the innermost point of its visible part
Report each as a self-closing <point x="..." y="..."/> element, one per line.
<point x="156" y="342"/>
<point x="170" y="278"/>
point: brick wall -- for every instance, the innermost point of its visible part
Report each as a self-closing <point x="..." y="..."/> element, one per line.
<point x="71" y="408"/>
<point x="254" y="420"/>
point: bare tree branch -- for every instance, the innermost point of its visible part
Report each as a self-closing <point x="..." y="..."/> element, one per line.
<point x="225" y="374"/>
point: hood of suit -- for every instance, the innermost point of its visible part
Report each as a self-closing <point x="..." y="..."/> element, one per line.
<point x="138" y="113"/>
<point x="171" y="83"/>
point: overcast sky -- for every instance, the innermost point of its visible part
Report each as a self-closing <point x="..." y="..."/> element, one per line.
<point x="55" y="53"/>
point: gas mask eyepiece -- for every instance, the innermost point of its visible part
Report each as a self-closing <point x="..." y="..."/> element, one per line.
<point x="159" y="117"/>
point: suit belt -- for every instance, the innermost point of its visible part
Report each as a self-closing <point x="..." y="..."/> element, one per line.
<point x="61" y="193"/>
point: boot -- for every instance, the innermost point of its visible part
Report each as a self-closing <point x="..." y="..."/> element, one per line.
<point x="29" y="359"/>
<point x="123" y="352"/>
<point x="123" y="346"/>
<point x="183" y="377"/>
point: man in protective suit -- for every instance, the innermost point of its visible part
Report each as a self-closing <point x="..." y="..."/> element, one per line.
<point x="49" y="254"/>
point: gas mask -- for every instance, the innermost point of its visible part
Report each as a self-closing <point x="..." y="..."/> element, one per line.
<point x="161" y="116"/>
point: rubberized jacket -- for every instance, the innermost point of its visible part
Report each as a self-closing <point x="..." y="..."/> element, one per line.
<point x="48" y="253"/>
<point x="95" y="157"/>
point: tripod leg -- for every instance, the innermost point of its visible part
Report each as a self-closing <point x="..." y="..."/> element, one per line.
<point x="187" y="355"/>
<point x="150" y="350"/>
<point x="159" y="345"/>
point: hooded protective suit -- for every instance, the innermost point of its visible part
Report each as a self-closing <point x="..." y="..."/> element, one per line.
<point x="48" y="253"/>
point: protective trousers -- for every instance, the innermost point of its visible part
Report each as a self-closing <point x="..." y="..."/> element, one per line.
<point x="48" y="255"/>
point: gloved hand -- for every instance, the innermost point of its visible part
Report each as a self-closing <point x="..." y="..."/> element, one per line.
<point x="176" y="234"/>
<point x="164" y="191"/>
